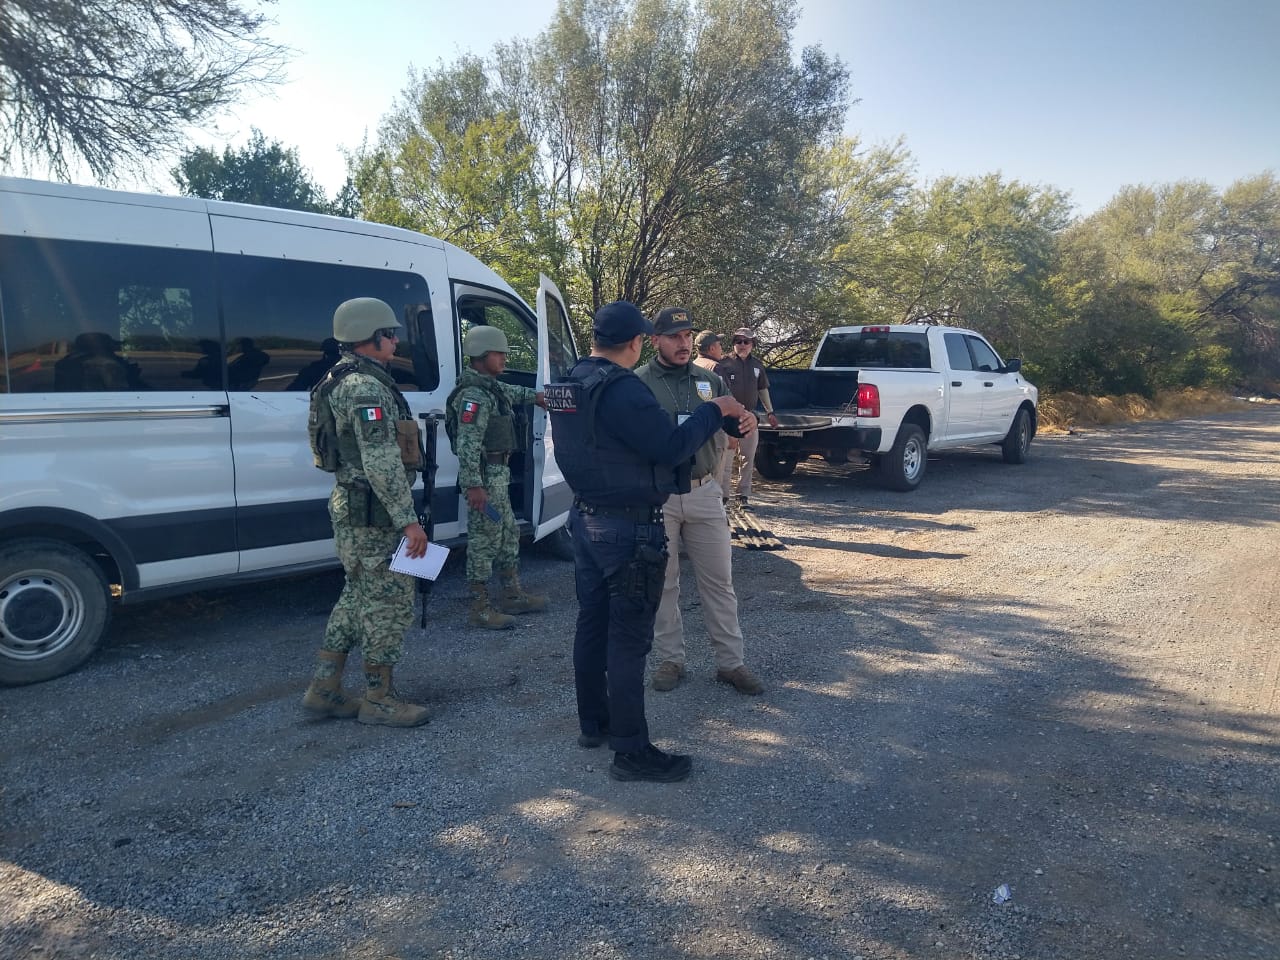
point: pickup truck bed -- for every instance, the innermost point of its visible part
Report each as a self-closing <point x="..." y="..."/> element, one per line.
<point x="817" y="412"/>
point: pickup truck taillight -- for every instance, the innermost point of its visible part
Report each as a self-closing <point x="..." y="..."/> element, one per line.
<point x="868" y="400"/>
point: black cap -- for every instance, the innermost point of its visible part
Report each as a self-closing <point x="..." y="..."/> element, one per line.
<point x="618" y="322"/>
<point x="671" y="320"/>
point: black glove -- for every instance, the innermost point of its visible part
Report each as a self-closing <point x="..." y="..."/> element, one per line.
<point x="730" y="426"/>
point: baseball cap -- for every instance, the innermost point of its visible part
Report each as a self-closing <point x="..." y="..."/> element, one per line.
<point x="618" y="322"/>
<point x="744" y="333"/>
<point x="706" y="338"/>
<point x="672" y="320"/>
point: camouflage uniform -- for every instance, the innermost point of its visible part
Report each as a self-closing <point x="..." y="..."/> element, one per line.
<point x="370" y="505"/>
<point x="484" y="408"/>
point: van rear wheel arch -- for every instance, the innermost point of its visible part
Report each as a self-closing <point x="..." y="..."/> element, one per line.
<point x="87" y="534"/>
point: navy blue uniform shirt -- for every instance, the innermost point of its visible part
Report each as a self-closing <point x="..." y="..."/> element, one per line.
<point x="637" y="450"/>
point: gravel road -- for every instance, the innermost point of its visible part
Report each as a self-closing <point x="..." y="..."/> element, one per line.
<point x="1063" y="677"/>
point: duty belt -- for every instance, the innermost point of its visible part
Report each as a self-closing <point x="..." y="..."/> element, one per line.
<point x="641" y="514"/>
<point x="497" y="459"/>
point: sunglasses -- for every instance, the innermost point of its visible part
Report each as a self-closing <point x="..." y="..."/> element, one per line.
<point x="391" y="333"/>
<point x="737" y="340"/>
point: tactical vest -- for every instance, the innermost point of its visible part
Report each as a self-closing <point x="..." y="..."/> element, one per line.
<point x="322" y="428"/>
<point x="505" y="430"/>
<point x="598" y="467"/>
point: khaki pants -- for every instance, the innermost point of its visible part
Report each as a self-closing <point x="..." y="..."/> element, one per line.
<point x="696" y="521"/>
<point x="747" y="447"/>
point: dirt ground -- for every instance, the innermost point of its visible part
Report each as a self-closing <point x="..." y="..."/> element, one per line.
<point x="1062" y="676"/>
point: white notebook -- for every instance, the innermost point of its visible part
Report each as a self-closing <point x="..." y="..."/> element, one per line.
<point x="427" y="566"/>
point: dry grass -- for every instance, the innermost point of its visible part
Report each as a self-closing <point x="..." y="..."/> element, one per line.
<point x="1061" y="412"/>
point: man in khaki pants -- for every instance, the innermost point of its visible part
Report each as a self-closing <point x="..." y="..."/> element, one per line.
<point x="695" y="520"/>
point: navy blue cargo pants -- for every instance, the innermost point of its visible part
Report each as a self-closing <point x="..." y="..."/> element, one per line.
<point x="615" y="624"/>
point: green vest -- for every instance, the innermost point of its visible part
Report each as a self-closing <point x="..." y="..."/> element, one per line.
<point x="329" y="448"/>
<point x="501" y="435"/>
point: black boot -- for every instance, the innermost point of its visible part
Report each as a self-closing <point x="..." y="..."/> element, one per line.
<point x="650" y="763"/>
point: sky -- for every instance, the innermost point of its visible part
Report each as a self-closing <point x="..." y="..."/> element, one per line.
<point x="1087" y="96"/>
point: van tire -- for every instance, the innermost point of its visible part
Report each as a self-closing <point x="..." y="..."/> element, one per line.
<point x="902" y="468"/>
<point x="773" y="465"/>
<point x="54" y="610"/>
<point x="1017" y="443"/>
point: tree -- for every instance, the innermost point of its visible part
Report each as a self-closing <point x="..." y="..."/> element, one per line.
<point x="675" y="135"/>
<point x="267" y="174"/>
<point x="454" y="162"/>
<point x="657" y="149"/>
<point x="977" y="252"/>
<point x="113" y="83"/>
<point x="1205" y="268"/>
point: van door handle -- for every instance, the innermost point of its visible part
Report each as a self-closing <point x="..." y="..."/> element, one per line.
<point x="957" y="383"/>
<point x="988" y="383"/>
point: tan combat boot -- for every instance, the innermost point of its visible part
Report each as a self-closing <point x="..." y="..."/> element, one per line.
<point x="325" y="697"/>
<point x="514" y="599"/>
<point x="382" y="705"/>
<point x="482" y="614"/>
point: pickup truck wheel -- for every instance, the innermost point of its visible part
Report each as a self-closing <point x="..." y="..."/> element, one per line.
<point x="1017" y="443"/>
<point x="775" y="465"/>
<point x="902" y="468"/>
<point x="54" y="610"/>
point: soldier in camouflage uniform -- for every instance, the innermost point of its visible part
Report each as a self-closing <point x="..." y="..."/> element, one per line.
<point x="378" y="452"/>
<point x="482" y="426"/>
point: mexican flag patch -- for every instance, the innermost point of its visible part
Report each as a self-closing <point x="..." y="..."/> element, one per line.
<point x="370" y="413"/>
<point x="469" y="408"/>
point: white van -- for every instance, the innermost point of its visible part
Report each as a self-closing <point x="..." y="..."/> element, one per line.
<point x="157" y="357"/>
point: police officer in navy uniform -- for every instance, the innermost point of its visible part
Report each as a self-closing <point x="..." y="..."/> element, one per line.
<point x="623" y="456"/>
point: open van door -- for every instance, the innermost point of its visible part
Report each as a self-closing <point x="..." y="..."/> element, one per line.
<point x="556" y="357"/>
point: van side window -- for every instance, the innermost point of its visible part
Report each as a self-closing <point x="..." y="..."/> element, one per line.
<point x="522" y="339"/>
<point x="279" y="320"/>
<point x="563" y="353"/>
<point x="957" y="352"/>
<point x="102" y="317"/>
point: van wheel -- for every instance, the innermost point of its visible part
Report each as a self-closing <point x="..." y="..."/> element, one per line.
<point x="902" y="468"/>
<point x="54" y="610"/>
<point x="1017" y="443"/>
<point x="774" y="465"/>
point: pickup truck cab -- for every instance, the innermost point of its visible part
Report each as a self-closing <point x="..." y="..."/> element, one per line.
<point x="893" y="393"/>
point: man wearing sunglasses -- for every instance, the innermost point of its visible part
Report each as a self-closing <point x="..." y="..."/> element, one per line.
<point x="747" y="381"/>
<point x="364" y="433"/>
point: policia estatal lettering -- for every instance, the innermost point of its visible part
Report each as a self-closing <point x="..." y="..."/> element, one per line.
<point x="623" y="457"/>
<point x="363" y="432"/>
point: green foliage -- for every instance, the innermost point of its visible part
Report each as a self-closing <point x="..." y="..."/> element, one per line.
<point x="655" y="151"/>
<point x="680" y="152"/>
<point x="1182" y="287"/>
<point x="453" y="162"/>
<point x="262" y="173"/>
<point x="117" y="84"/>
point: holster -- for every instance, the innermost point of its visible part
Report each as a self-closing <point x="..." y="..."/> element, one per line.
<point x="642" y="577"/>
<point x="364" y="509"/>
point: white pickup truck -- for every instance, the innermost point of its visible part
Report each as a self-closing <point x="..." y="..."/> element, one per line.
<point x="893" y="393"/>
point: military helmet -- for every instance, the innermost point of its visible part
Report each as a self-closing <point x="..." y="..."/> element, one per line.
<point x="356" y="321"/>
<point x="481" y="340"/>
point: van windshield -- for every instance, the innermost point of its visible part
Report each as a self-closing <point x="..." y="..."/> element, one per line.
<point x="897" y="349"/>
